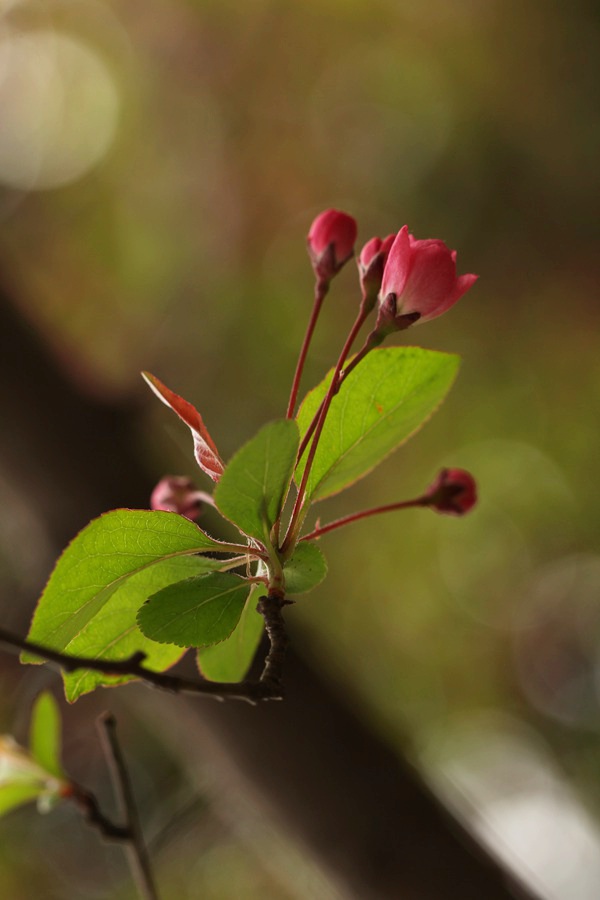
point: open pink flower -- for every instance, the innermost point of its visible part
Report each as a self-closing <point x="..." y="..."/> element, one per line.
<point x="453" y="492"/>
<point x="419" y="282"/>
<point x="331" y="242"/>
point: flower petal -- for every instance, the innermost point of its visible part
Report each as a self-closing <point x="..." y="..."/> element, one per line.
<point x="398" y="265"/>
<point x="431" y="280"/>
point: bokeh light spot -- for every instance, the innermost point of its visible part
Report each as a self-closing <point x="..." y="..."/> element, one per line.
<point x="59" y="107"/>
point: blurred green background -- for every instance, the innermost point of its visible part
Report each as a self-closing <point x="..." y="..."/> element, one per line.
<point x="160" y="164"/>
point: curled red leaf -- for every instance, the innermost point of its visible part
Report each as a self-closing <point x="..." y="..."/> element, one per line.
<point x="205" y="451"/>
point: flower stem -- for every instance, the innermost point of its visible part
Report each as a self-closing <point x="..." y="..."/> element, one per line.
<point x="241" y="550"/>
<point x="295" y="520"/>
<point x="368" y="345"/>
<point x="321" y="289"/>
<point x="355" y="517"/>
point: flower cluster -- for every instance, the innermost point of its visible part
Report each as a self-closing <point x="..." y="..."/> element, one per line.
<point x="411" y="280"/>
<point x="404" y="281"/>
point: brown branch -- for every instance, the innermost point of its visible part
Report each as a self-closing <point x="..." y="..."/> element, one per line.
<point x="270" y="608"/>
<point x="139" y="861"/>
<point x="89" y="807"/>
<point x="129" y="834"/>
<point x="268" y="687"/>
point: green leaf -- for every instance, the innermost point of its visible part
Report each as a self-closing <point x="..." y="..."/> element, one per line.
<point x="231" y="659"/>
<point x="98" y="562"/>
<point x="254" y="484"/>
<point x="114" y="634"/>
<point x="305" y="569"/>
<point x="17" y="794"/>
<point x="45" y="734"/>
<point x="389" y="395"/>
<point x="196" y="612"/>
<point x="23" y="779"/>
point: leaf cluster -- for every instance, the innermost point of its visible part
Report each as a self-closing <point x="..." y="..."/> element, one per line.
<point x="156" y="583"/>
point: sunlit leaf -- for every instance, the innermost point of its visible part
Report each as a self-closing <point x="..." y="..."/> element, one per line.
<point x="384" y="401"/>
<point x="45" y="734"/>
<point x="205" y="451"/>
<point x="99" y="561"/>
<point x="231" y="659"/>
<point x="254" y="484"/>
<point x="13" y="795"/>
<point x="305" y="569"/>
<point x="23" y="779"/>
<point x="114" y="633"/>
<point x="196" y="612"/>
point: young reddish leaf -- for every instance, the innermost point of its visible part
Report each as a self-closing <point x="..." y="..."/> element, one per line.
<point x="207" y="455"/>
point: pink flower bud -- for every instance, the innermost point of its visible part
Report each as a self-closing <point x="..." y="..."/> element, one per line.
<point x="419" y="282"/>
<point x="331" y="242"/>
<point x="176" y="493"/>
<point x="454" y="492"/>
<point x="371" y="263"/>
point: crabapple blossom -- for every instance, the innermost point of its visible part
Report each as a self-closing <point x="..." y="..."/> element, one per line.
<point x="453" y="492"/>
<point x="419" y="282"/>
<point x="371" y="263"/>
<point x="176" y="493"/>
<point x="331" y="242"/>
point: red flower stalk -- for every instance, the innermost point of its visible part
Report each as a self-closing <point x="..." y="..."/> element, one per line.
<point x="331" y="242"/>
<point x="419" y="283"/>
<point x="330" y="245"/>
<point x="454" y="492"/>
